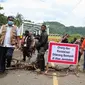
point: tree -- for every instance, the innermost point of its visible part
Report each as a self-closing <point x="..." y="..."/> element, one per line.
<point x="71" y="38"/>
<point x="1" y="8"/>
<point x="3" y="18"/>
<point x="18" y="19"/>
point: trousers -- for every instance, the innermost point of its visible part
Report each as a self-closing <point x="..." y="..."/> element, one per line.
<point x="40" y="59"/>
<point x="26" y="52"/>
<point x="5" y="57"/>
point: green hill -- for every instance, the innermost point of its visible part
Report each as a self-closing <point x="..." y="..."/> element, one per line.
<point x="58" y="28"/>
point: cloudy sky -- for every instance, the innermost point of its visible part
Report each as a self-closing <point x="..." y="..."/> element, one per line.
<point x="67" y="12"/>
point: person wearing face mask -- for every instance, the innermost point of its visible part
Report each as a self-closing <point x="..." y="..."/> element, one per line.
<point x="9" y="38"/>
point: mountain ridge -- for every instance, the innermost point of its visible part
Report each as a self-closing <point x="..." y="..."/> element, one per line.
<point x="58" y="28"/>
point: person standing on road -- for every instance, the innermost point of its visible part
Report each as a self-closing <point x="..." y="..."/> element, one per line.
<point x="27" y="43"/>
<point x="9" y="38"/>
<point x="42" y="47"/>
<point x="65" y="38"/>
<point x="79" y="42"/>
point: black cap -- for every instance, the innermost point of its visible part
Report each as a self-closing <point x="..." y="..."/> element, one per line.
<point x="10" y="17"/>
<point x="26" y="31"/>
<point x="44" y="25"/>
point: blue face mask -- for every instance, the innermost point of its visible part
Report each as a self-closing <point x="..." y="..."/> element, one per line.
<point x="10" y="23"/>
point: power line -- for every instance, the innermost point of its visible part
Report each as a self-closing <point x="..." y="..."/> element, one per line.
<point x="77" y="5"/>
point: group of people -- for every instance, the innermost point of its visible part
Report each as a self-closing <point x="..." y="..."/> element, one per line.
<point x="80" y="42"/>
<point x="29" y="43"/>
<point x="10" y="39"/>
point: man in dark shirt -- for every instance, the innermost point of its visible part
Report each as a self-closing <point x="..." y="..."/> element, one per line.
<point x="42" y="47"/>
<point x="65" y="38"/>
<point x="27" y="45"/>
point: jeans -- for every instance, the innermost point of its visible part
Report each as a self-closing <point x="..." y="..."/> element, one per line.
<point x="9" y="53"/>
<point x="5" y="55"/>
<point x="2" y="59"/>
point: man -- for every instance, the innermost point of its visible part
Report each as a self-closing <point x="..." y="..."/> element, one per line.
<point x="42" y="47"/>
<point x="74" y="40"/>
<point x="9" y="38"/>
<point x="79" y="42"/>
<point x="28" y="43"/>
<point x="65" y="38"/>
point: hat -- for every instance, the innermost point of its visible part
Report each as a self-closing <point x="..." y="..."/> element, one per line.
<point x="26" y="31"/>
<point x="10" y="17"/>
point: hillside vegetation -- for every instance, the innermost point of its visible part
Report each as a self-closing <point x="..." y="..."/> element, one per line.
<point x="58" y="28"/>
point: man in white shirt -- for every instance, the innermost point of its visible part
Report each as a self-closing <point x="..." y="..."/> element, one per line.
<point x="9" y="38"/>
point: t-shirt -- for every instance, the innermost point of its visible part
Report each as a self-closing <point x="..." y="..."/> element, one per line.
<point x="65" y="40"/>
<point x="7" y="36"/>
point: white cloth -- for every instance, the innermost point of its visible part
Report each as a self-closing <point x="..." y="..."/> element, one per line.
<point x="7" y="37"/>
<point x="25" y="45"/>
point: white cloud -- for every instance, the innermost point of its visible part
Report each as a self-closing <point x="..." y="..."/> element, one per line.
<point x="68" y="12"/>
